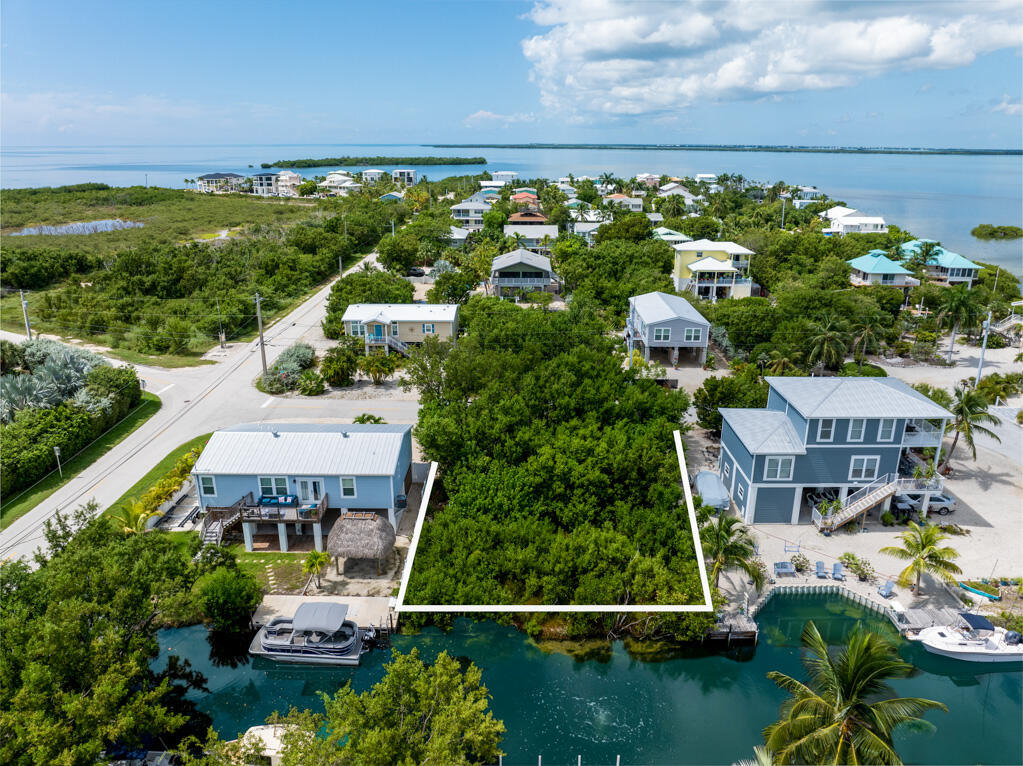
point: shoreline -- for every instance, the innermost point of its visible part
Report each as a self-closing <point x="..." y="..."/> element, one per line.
<point x="742" y="148"/>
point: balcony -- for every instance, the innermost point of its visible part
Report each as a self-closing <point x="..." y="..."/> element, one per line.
<point x="519" y="282"/>
<point x="921" y="433"/>
<point x="286" y="508"/>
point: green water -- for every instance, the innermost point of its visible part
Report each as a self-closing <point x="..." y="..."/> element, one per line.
<point x="686" y="708"/>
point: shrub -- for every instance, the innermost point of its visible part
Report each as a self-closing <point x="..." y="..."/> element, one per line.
<point x="339" y="365"/>
<point x="903" y="347"/>
<point x="852" y="370"/>
<point x="888" y="519"/>
<point x="926" y="337"/>
<point x="228" y="597"/>
<point x="859" y="567"/>
<point x="310" y="383"/>
<point x="800" y="562"/>
<point x="301" y="355"/>
<point x="378" y="366"/>
<point x="285" y="373"/>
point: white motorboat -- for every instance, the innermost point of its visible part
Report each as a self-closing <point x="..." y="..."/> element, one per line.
<point x="975" y="639"/>
<point x="318" y="634"/>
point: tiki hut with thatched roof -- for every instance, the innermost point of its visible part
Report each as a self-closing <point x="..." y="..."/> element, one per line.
<point x="361" y="536"/>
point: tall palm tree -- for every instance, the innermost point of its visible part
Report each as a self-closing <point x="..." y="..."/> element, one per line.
<point x="867" y="331"/>
<point x="761" y="757"/>
<point x="960" y="307"/>
<point x="846" y="712"/>
<point x="607" y="178"/>
<point x="921" y="547"/>
<point x="783" y="361"/>
<point x="827" y="343"/>
<point x="970" y="410"/>
<point x="314" y="563"/>
<point x="727" y="543"/>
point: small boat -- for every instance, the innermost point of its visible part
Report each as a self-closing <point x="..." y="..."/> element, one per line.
<point x="318" y="634"/>
<point x="973" y="640"/>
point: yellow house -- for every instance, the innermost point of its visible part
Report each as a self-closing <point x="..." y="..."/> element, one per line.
<point x="396" y="325"/>
<point x="712" y="269"/>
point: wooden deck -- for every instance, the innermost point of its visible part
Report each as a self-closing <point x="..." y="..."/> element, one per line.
<point x="364" y="611"/>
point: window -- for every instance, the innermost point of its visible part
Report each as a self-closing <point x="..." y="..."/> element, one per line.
<point x="863" y="468"/>
<point x="778" y="468"/>
<point x="825" y="429"/>
<point x="394" y="328"/>
<point x="270" y="486"/>
<point x="741" y="492"/>
<point x="856" y="428"/>
<point x="726" y="469"/>
<point x="207" y="486"/>
<point x="347" y="486"/>
<point x="887" y="430"/>
<point x="694" y="334"/>
<point x="428" y="328"/>
<point x="662" y="333"/>
<point x="358" y="329"/>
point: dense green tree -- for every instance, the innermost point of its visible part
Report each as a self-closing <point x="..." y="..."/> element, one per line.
<point x="363" y="287"/>
<point x="828" y="343"/>
<point x="451" y="287"/>
<point x="339" y="364"/>
<point x="378" y="366"/>
<point x="959" y="307"/>
<point x="228" y="597"/>
<point x="634" y="227"/>
<point x="744" y="388"/>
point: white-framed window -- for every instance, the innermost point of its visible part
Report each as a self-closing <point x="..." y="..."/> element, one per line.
<point x="273" y="486"/>
<point x="741" y="492"/>
<point x="863" y="467"/>
<point x="394" y="328"/>
<point x="778" y="468"/>
<point x="428" y="328"/>
<point x="347" y="486"/>
<point x="694" y="334"/>
<point x="726" y="469"/>
<point x="358" y="329"/>
<point x="662" y="333"/>
<point x="825" y="429"/>
<point x="857" y="427"/>
<point x="207" y="486"/>
<point x="886" y="431"/>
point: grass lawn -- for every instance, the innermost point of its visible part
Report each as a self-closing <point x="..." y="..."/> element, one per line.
<point x="29" y="498"/>
<point x="149" y="480"/>
<point x="286" y="568"/>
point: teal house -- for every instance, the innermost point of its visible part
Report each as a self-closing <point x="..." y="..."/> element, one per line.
<point x="876" y="268"/>
<point x="944" y="266"/>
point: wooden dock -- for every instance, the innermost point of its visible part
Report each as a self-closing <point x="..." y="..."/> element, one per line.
<point x="364" y="611"/>
<point x="733" y="627"/>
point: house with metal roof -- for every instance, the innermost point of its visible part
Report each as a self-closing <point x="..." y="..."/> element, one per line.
<point x="290" y="479"/>
<point x="847" y="220"/>
<point x="219" y="182"/>
<point x="712" y="270"/>
<point x="624" y="201"/>
<point x="826" y="450"/>
<point x="876" y="268"/>
<point x="523" y="270"/>
<point x="587" y="230"/>
<point x="662" y="321"/>
<point x="393" y="196"/>
<point x="469" y="213"/>
<point x="944" y="266"/>
<point x="396" y="326"/>
<point x="532" y="236"/>
<point x="670" y="236"/>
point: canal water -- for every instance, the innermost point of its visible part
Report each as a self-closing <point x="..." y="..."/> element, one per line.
<point x="673" y="707"/>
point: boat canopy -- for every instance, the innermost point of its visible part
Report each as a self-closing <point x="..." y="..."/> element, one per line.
<point x="977" y="622"/>
<point x="712" y="491"/>
<point x="322" y="617"/>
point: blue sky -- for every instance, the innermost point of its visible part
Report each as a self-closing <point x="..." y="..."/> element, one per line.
<point x="799" y="72"/>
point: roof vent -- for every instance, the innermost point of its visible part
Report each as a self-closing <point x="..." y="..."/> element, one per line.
<point x="344" y="434"/>
<point x="276" y="434"/>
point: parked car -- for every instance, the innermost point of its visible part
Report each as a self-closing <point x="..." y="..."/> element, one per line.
<point x="942" y="504"/>
<point x="415" y="271"/>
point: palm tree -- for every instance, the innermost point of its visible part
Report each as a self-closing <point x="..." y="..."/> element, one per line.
<point x="827" y="343"/>
<point x="782" y="361"/>
<point x="726" y="544"/>
<point x="866" y="332"/>
<point x="970" y="410"/>
<point x="761" y="757"/>
<point x="921" y="547"/>
<point x="314" y="563"/>
<point x="607" y="178"/>
<point x="845" y="713"/>
<point x="959" y="306"/>
<point x="368" y="418"/>
<point x="135" y="518"/>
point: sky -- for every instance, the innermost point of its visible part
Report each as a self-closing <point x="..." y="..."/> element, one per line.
<point x="813" y="72"/>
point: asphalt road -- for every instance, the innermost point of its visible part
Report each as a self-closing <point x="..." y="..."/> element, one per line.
<point x="197" y="400"/>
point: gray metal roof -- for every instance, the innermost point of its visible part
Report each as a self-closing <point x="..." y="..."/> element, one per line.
<point x="400" y="312"/>
<point x="660" y="307"/>
<point x="855" y="398"/>
<point x="219" y="176"/>
<point x="764" y="432"/>
<point x="304" y="449"/>
<point x="523" y="256"/>
<point x="531" y="230"/>
<point x="319" y="616"/>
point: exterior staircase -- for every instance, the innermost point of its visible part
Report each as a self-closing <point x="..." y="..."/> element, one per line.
<point x="397" y="345"/>
<point x="865" y="498"/>
<point x="215" y="525"/>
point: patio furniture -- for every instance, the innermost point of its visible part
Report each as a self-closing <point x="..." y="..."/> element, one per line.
<point x="784" y="568"/>
<point x="792" y="548"/>
<point x="838" y="572"/>
<point x="822" y="572"/>
<point x="887" y="589"/>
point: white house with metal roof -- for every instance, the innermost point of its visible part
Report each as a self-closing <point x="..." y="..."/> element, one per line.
<point x="846" y="220"/>
<point x="533" y="237"/>
<point x="523" y="270"/>
<point x="876" y="268"/>
<point x="661" y="320"/>
<point x="286" y="478"/>
<point x="397" y="325"/>
<point x="820" y="438"/>
<point x="469" y="213"/>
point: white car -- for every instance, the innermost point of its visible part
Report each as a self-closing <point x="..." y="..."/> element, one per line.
<point x="942" y="504"/>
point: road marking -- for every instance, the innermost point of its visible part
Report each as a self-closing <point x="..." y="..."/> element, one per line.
<point x="267" y="403"/>
<point x="165" y="388"/>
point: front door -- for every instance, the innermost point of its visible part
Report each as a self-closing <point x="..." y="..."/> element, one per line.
<point x="310" y="490"/>
<point x="378" y="330"/>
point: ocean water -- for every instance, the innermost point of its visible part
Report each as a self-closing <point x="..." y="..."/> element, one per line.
<point x="933" y="196"/>
<point x="684" y="707"/>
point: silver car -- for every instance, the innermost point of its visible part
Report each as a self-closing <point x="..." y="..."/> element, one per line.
<point x="942" y="504"/>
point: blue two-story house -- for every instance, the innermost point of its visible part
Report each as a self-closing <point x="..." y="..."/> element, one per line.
<point x="285" y="477"/>
<point x="840" y="435"/>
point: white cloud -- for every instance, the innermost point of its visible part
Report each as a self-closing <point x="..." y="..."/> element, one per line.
<point x="619" y="57"/>
<point x="483" y="117"/>
<point x="1009" y="106"/>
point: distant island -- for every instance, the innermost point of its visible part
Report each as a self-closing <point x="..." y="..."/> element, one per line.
<point x="987" y="231"/>
<point x="737" y="148"/>
<point x="328" y="161"/>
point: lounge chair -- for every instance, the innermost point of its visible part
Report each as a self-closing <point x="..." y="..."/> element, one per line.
<point x="887" y="589"/>
<point x="784" y="568"/>
<point x="822" y="572"/>
<point x="838" y="572"/>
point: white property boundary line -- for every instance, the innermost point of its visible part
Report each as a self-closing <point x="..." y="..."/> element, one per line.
<point x="706" y="606"/>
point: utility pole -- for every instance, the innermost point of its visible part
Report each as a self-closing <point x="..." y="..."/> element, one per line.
<point x="56" y="451"/>
<point x="340" y="268"/>
<point x="983" y="348"/>
<point x="259" y="320"/>
<point x="220" y="324"/>
<point x="24" y="313"/>
<point x="344" y="219"/>
<point x="392" y="227"/>
<point x="998" y="270"/>
<point x="784" y="198"/>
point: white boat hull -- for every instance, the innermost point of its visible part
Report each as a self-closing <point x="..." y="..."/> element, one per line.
<point x="948" y="642"/>
<point x="352" y="658"/>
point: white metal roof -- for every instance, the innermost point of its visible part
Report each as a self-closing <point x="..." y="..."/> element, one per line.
<point x="400" y="312"/>
<point x="303" y="449"/>
<point x="838" y="211"/>
<point x="472" y="205"/>
<point x="659" y="307"/>
<point x="711" y="264"/>
<point x="764" y="432"/>
<point x="582" y="227"/>
<point x="705" y="244"/>
<point x="531" y="230"/>
<point x="523" y="256"/>
<point x="855" y="398"/>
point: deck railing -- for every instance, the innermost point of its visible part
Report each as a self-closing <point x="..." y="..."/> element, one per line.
<point x="302" y="512"/>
